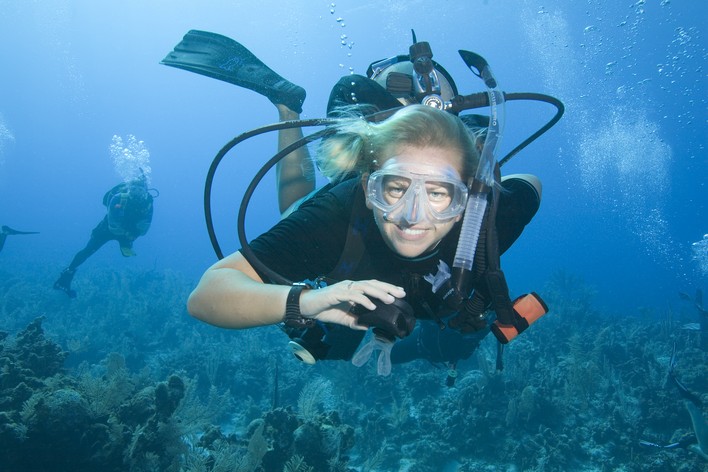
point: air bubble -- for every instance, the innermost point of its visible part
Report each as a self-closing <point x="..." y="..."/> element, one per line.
<point x="131" y="159"/>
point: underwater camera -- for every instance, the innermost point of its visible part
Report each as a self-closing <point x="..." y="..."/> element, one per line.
<point x="388" y="321"/>
<point x="395" y="320"/>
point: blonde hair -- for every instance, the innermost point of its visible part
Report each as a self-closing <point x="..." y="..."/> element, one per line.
<point x="360" y="146"/>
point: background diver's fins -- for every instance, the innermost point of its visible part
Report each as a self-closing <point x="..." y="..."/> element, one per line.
<point x="222" y="58"/>
<point x="5" y="231"/>
<point x="8" y="230"/>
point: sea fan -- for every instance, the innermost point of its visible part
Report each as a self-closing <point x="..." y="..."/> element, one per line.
<point x="297" y="464"/>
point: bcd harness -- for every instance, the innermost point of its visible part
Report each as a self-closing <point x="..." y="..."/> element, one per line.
<point x="487" y="289"/>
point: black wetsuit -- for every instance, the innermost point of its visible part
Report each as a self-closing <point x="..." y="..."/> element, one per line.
<point x="310" y="242"/>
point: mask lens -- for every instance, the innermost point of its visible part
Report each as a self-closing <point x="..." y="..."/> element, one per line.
<point x="439" y="195"/>
<point x="405" y="195"/>
<point x="394" y="188"/>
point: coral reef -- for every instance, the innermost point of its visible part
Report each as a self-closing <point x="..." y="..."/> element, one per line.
<point x="124" y="380"/>
<point x="52" y="421"/>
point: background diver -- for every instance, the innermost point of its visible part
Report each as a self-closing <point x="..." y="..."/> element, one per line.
<point x="6" y="231"/>
<point x="388" y="85"/>
<point x="129" y="208"/>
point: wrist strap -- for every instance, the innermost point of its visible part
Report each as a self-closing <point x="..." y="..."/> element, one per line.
<point x="293" y="317"/>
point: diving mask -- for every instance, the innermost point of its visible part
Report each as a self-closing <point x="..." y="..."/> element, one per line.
<point x="411" y="193"/>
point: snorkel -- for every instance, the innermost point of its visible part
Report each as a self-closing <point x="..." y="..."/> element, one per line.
<point x="483" y="181"/>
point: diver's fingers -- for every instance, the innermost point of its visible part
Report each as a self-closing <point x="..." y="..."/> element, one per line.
<point x="337" y="296"/>
<point x="374" y="288"/>
<point x="314" y="302"/>
<point x="362" y="292"/>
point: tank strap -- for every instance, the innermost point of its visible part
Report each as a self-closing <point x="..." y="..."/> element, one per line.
<point x="354" y="247"/>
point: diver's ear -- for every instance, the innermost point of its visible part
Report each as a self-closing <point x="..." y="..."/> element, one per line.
<point x="364" y="183"/>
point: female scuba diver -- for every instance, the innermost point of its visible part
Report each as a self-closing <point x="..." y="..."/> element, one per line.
<point x="371" y="242"/>
<point x="377" y="242"/>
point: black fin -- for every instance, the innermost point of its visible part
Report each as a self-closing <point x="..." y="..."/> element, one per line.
<point x="222" y="58"/>
<point x="9" y="231"/>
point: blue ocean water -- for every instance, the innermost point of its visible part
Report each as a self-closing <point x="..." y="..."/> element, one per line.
<point x="624" y="172"/>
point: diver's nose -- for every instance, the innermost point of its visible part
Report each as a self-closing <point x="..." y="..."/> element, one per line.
<point x="412" y="212"/>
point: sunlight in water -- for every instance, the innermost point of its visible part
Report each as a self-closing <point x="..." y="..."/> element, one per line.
<point x="627" y="153"/>
<point x="622" y="160"/>
<point x="625" y="163"/>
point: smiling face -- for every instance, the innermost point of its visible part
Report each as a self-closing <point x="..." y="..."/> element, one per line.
<point x="414" y="214"/>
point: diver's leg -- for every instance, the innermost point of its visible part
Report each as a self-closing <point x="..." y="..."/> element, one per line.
<point x="222" y="58"/>
<point x="99" y="236"/>
<point x="407" y="349"/>
<point x="295" y="173"/>
<point x="429" y="342"/>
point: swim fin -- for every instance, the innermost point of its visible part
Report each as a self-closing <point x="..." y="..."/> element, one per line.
<point x="222" y="58"/>
<point x="6" y="231"/>
<point x="63" y="283"/>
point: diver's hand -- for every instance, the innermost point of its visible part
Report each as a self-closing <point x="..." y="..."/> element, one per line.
<point x="333" y="304"/>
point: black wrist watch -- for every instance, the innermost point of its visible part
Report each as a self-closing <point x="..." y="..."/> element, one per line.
<point x="293" y="317"/>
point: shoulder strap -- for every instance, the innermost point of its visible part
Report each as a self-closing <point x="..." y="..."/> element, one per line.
<point x="354" y="246"/>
